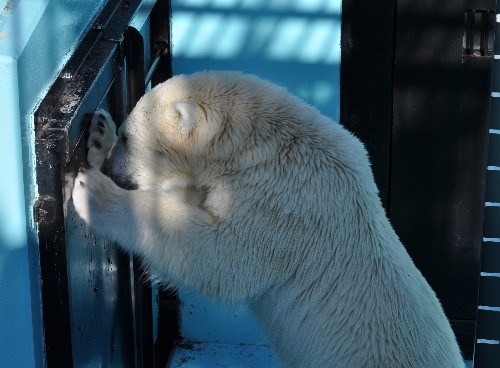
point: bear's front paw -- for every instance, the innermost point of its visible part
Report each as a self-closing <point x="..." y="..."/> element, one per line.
<point x="95" y="197"/>
<point x="83" y="198"/>
<point x="102" y="136"/>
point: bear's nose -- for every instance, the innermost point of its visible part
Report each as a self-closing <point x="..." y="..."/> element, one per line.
<point x="122" y="182"/>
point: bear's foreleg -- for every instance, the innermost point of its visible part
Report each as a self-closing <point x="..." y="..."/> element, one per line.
<point x="179" y="243"/>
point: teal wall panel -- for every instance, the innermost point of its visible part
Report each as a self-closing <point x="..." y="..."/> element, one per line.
<point x="295" y="43"/>
<point x="36" y="39"/>
<point x="16" y="332"/>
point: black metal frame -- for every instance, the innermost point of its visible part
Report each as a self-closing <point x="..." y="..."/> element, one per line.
<point x="486" y="351"/>
<point x="108" y="62"/>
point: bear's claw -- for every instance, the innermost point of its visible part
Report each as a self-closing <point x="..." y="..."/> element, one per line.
<point x="102" y="136"/>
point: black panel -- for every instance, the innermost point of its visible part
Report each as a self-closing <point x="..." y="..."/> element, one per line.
<point x="493" y="183"/>
<point x="366" y="80"/>
<point x="440" y="136"/>
<point x="491" y="221"/>
<point x="488" y="325"/>
<point x="494" y="150"/>
<point x="495" y="106"/>
<point x="415" y="87"/>
<point x="490" y="258"/>
<point x="465" y="333"/>
<point x="487" y="355"/>
<point x="488" y="291"/>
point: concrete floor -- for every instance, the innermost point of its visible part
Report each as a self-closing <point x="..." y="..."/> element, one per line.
<point x="203" y="355"/>
<point x="210" y="355"/>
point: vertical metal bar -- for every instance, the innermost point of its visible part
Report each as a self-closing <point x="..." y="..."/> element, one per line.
<point x="118" y="103"/>
<point x="49" y="215"/>
<point x="141" y="288"/>
<point x="160" y="49"/>
<point x="160" y="40"/>
<point x="118" y="107"/>
<point x="470" y="29"/>
<point x="134" y="57"/>
<point x="484" y="32"/>
<point x="468" y="38"/>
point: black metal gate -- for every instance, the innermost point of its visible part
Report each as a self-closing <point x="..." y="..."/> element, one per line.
<point x="97" y="306"/>
<point x="415" y="86"/>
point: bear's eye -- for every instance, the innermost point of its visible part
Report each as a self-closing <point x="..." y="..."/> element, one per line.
<point x="124" y="138"/>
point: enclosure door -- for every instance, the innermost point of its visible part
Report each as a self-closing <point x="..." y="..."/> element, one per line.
<point x="415" y="87"/>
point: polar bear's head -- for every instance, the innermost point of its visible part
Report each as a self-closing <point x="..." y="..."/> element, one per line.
<point x="175" y="128"/>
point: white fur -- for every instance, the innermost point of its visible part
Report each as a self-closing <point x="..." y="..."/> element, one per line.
<point x="247" y="194"/>
<point x="186" y="115"/>
<point x="102" y="136"/>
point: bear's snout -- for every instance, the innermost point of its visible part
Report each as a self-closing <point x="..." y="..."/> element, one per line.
<point x="119" y="180"/>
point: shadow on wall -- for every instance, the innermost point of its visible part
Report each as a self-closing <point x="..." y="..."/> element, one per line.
<point x="294" y="43"/>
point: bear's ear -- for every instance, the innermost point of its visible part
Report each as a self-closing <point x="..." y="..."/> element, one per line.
<point x="186" y="114"/>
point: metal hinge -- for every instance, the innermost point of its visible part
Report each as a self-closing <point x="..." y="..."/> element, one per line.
<point x="479" y="32"/>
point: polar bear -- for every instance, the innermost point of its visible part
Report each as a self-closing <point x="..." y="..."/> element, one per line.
<point x="226" y="184"/>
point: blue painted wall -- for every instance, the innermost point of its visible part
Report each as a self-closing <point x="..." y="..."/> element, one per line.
<point x="36" y="38"/>
<point x="294" y="43"/>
